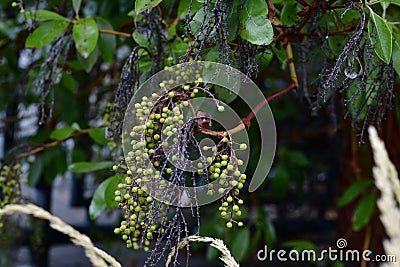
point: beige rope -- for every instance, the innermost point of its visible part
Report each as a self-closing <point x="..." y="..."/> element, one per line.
<point x="387" y="181"/>
<point x="96" y="256"/>
<point x="216" y="243"/>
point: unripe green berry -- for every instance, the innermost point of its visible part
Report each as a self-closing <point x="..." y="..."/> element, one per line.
<point x="149" y="235"/>
<point x="229" y="224"/>
<point x="235" y="208"/>
<point x="221" y="109"/>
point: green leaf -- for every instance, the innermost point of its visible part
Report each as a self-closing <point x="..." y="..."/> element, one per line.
<point x="68" y="82"/>
<point x="143" y="5"/>
<point x="86" y="34"/>
<point x="288" y="13"/>
<point x="110" y="189"/>
<point x="184" y="7"/>
<point x="35" y="171"/>
<point x="86" y="166"/>
<point x="364" y="210"/>
<point x="396" y="52"/>
<point x="179" y="47"/>
<point x="46" y="33"/>
<point x="77" y="5"/>
<point x="100" y="200"/>
<point x="255" y="25"/>
<point x="353" y="191"/>
<point x="171" y="32"/>
<point x="383" y="48"/>
<point x="42" y="15"/>
<point x="107" y="42"/>
<point x="140" y="39"/>
<point x="240" y="244"/>
<point x="98" y="135"/>
<point x="62" y="133"/>
<point x="198" y="19"/>
<point x="88" y="63"/>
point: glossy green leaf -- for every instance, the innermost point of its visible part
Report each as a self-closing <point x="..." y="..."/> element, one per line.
<point x="396" y="52"/>
<point x="143" y="5"/>
<point x="86" y="34"/>
<point x="353" y="191"/>
<point x="98" y="135"/>
<point x="240" y="244"/>
<point x="46" y="33"/>
<point x="42" y="15"/>
<point x="76" y="4"/>
<point x="86" y="166"/>
<point x="255" y="25"/>
<point x="107" y="42"/>
<point x="383" y="48"/>
<point x="364" y="210"/>
<point x="100" y="200"/>
<point x="62" y="133"/>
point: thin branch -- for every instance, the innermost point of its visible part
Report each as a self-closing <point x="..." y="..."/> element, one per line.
<point x="52" y="144"/>
<point x="115" y="33"/>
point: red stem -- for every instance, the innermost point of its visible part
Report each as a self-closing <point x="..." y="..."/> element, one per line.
<point x="251" y="115"/>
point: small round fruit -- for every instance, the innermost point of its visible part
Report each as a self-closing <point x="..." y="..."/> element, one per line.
<point x="229" y="225"/>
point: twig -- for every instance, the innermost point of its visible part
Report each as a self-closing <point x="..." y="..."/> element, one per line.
<point x="115" y="33"/>
<point x="52" y="144"/>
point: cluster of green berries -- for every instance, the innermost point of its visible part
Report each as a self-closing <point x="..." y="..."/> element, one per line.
<point x="142" y="213"/>
<point x="159" y="121"/>
<point x="10" y="188"/>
